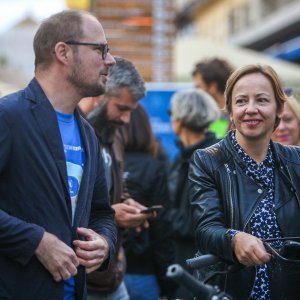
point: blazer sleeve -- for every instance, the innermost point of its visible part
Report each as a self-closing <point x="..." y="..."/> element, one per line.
<point x="18" y="239"/>
<point x="102" y="214"/>
<point x="207" y="207"/>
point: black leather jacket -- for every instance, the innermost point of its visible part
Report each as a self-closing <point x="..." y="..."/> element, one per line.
<point x="222" y="196"/>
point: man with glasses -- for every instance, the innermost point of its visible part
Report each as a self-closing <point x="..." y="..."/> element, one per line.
<point x="56" y="223"/>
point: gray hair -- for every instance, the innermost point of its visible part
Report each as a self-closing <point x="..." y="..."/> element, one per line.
<point x="124" y="74"/>
<point x="194" y="108"/>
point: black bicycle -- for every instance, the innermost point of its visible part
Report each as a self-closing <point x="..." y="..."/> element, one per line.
<point x="284" y="272"/>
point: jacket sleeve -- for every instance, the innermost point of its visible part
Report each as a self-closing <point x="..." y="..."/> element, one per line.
<point x="207" y="205"/>
<point x="102" y="214"/>
<point x="179" y="210"/>
<point x="18" y="239"/>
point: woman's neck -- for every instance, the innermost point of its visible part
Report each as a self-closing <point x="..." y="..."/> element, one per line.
<point x="190" y="138"/>
<point x="255" y="148"/>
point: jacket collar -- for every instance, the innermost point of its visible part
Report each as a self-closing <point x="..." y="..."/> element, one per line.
<point x="46" y="119"/>
<point x="186" y="152"/>
<point x="282" y="177"/>
<point x="275" y="147"/>
<point x="231" y="150"/>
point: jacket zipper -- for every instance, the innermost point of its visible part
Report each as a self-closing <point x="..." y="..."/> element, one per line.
<point x="291" y="179"/>
<point x="231" y="202"/>
<point x="230" y="193"/>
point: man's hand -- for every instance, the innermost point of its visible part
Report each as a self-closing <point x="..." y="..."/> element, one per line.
<point x="249" y="250"/>
<point x="92" y="251"/>
<point x="128" y="215"/>
<point x="57" y="257"/>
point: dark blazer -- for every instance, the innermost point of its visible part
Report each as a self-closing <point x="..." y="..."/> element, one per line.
<point x="34" y="194"/>
<point x="222" y="197"/>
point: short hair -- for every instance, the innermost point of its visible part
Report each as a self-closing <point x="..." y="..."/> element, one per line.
<point x="60" y="27"/>
<point x="124" y="74"/>
<point x="195" y="108"/>
<point x="137" y="135"/>
<point x="214" y="70"/>
<point x="265" y="70"/>
<point x="294" y="104"/>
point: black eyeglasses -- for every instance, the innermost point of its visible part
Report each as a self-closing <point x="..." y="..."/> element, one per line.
<point x="102" y="47"/>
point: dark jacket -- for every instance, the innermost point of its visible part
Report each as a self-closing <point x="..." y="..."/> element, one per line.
<point x="223" y="197"/>
<point x="34" y="194"/>
<point x="109" y="138"/>
<point x="108" y="281"/>
<point x="180" y="213"/>
<point x="150" y="251"/>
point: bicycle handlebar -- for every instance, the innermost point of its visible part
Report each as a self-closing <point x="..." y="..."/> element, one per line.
<point x="202" y="261"/>
<point x="199" y="289"/>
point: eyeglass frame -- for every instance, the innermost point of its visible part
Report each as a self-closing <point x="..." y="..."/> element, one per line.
<point x="103" y="47"/>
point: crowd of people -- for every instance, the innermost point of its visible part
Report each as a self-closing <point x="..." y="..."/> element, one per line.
<point x="81" y="166"/>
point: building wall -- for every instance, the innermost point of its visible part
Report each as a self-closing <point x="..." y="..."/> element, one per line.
<point x="79" y="4"/>
<point x="213" y="19"/>
<point x="241" y="21"/>
<point x="17" y="51"/>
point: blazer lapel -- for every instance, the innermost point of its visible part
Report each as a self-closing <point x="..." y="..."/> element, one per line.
<point x="83" y="190"/>
<point x="47" y="121"/>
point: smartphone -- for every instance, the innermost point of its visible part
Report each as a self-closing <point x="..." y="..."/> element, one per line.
<point x="151" y="209"/>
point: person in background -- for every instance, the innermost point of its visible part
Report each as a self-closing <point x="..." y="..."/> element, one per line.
<point x="288" y="130"/>
<point x="124" y="88"/>
<point x="244" y="189"/>
<point x="150" y="251"/>
<point x="88" y="104"/>
<point x="192" y="111"/>
<point x="56" y="223"/>
<point x="211" y="75"/>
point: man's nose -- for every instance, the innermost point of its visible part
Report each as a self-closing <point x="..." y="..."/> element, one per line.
<point x="125" y="118"/>
<point x="109" y="60"/>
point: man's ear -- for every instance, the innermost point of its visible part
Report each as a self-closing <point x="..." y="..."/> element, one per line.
<point x="62" y="52"/>
<point x="213" y="88"/>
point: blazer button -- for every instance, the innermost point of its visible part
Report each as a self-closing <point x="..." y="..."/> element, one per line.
<point x="259" y="191"/>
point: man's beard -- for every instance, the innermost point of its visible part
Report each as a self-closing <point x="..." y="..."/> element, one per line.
<point x="84" y="88"/>
<point x="100" y="114"/>
<point x="116" y="123"/>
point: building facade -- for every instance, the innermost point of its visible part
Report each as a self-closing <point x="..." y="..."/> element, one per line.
<point x="270" y="26"/>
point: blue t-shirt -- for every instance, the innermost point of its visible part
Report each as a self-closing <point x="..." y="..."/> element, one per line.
<point x="75" y="160"/>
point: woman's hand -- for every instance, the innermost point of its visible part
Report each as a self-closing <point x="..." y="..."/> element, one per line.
<point x="249" y="250"/>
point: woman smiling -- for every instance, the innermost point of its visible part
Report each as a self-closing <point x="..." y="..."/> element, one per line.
<point x="241" y="189"/>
